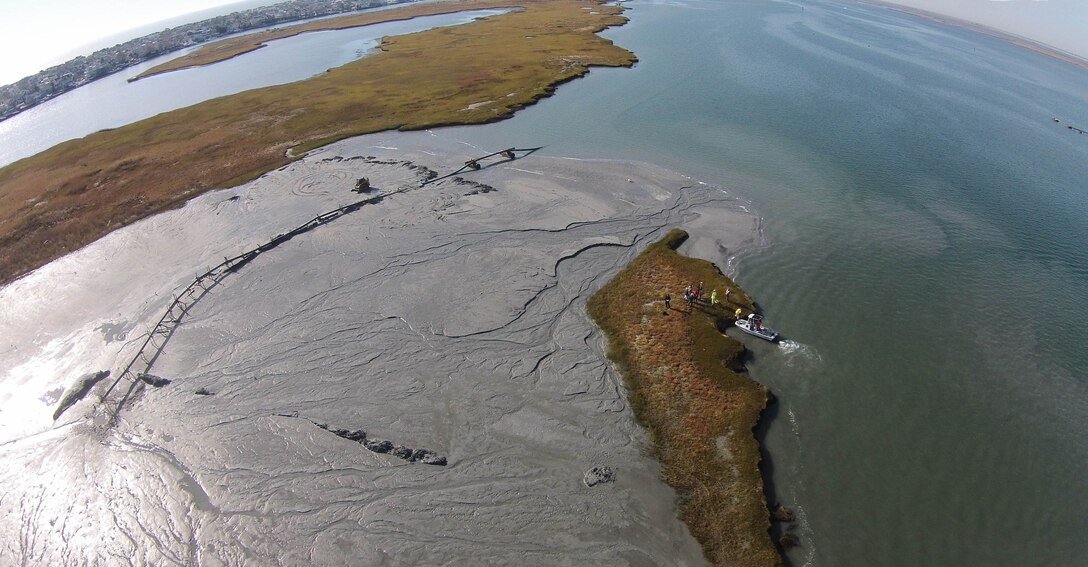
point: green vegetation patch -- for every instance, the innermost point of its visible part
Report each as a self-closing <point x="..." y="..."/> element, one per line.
<point x="683" y="386"/>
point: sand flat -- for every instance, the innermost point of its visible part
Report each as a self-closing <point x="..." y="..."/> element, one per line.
<point x="450" y="318"/>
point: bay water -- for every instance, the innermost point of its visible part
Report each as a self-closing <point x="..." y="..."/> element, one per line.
<point x="925" y="254"/>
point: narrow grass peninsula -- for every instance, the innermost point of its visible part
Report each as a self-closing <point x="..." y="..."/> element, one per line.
<point x="483" y="71"/>
<point x="227" y="48"/>
<point x="683" y="385"/>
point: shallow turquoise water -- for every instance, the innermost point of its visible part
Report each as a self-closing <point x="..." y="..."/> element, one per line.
<point x="926" y="254"/>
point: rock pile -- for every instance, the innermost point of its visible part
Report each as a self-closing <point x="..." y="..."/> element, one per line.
<point x="598" y="475"/>
<point x="152" y="380"/>
<point x="425" y="456"/>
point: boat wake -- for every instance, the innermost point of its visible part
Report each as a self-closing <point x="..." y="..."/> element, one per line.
<point x="798" y="354"/>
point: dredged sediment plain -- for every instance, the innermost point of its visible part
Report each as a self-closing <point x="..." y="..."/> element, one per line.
<point x="449" y="317"/>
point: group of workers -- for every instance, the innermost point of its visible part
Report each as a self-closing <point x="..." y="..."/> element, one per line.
<point x="693" y="294"/>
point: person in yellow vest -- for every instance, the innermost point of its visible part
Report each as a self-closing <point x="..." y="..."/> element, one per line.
<point x="713" y="297"/>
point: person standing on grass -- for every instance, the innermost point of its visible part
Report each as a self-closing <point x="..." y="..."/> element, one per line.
<point x="727" y="295"/>
<point x="713" y="297"/>
<point x="668" y="301"/>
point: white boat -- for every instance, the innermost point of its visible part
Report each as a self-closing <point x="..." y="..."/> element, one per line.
<point x="753" y="325"/>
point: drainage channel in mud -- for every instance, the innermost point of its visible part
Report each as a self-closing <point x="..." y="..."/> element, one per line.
<point x="449" y="320"/>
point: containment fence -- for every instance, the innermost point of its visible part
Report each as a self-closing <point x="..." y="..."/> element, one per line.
<point x="149" y="351"/>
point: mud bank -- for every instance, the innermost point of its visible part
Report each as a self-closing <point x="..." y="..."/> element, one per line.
<point x="445" y="318"/>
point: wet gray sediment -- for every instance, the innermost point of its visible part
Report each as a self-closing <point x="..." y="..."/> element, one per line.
<point x="447" y="319"/>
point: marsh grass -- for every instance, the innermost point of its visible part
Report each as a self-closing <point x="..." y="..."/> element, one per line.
<point x="683" y="386"/>
<point x="77" y="191"/>
<point x="227" y="48"/>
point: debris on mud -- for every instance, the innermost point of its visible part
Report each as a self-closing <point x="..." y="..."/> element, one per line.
<point x="598" y="475"/>
<point x="152" y="380"/>
<point x="78" y="390"/>
<point x="425" y="456"/>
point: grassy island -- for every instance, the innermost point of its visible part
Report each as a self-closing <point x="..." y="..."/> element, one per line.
<point x="683" y="384"/>
<point x="76" y="192"/>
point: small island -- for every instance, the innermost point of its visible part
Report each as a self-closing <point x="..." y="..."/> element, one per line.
<point x="684" y="385"/>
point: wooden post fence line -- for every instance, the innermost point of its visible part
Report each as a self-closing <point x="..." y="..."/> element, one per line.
<point x="153" y="345"/>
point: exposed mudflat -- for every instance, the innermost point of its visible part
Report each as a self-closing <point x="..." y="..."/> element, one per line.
<point x="447" y="319"/>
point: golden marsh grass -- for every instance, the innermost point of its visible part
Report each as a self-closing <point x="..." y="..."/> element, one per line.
<point x="683" y="385"/>
<point x="76" y="192"/>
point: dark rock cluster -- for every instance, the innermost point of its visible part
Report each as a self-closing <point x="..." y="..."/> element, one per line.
<point x="478" y="188"/>
<point x="362" y="185"/>
<point x="425" y="456"/>
<point x="424" y="172"/>
<point x="598" y="475"/>
<point x="783" y="514"/>
<point x="152" y="380"/>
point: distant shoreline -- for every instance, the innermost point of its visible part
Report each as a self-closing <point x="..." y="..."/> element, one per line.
<point x="230" y="47"/>
<point x="1009" y="37"/>
<point x="47" y="84"/>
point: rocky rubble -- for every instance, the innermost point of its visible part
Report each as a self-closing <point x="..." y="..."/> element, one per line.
<point x="425" y="456"/>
